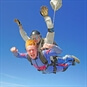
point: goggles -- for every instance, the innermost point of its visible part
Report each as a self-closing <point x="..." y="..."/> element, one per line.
<point x="35" y="37"/>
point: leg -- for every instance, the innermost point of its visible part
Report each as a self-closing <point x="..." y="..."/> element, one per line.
<point x="71" y="57"/>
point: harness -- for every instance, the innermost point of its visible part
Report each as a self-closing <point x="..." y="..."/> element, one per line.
<point x="44" y="61"/>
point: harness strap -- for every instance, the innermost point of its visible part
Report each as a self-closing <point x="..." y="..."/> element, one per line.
<point x="42" y="58"/>
<point x="29" y="59"/>
<point x="44" y="61"/>
<point x="41" y="68"/>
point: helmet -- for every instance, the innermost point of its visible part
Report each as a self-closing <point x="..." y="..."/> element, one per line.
<point x="35" y="32"/>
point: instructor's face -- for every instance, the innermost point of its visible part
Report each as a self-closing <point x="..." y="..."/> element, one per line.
<point x="37" y="38"/>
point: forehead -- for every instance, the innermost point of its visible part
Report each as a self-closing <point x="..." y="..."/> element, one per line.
<point x="31" y="47"/>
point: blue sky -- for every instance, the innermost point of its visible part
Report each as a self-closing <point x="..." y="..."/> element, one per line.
<point x="70" y="34"/>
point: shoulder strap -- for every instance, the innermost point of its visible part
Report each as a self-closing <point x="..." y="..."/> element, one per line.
<point x="40" y="44"/>
<point x="29" y="59"/>
<point x="42" y="57"/>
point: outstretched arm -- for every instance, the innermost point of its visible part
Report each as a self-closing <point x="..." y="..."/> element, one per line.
<point x="52" y="49"/>
<point x="50" y="34"/>
<point x="21" y="30"/>
<point x="14" y="50"/>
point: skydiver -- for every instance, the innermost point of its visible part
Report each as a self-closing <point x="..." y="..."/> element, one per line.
<point x="36" y="34"/>
<point x="60" y="65"/>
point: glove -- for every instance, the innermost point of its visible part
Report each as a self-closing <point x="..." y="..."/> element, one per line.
<point x="44" y="11"/>
<point x="17" y="21"/>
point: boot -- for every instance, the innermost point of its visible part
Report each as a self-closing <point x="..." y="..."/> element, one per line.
<point x="76" y="59"/>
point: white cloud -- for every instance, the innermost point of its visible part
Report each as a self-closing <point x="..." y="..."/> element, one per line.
<point x="10" y="84"/>
<point x="9" y="76"/>
<point x="7" y="84"/>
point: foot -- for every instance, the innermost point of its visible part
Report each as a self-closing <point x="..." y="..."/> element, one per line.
<point x="64" y="69"/>
<point x="76" y="59"/>
<point x="17" y="21"/>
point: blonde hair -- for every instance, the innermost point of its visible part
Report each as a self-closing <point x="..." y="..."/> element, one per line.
<point x="30" y="42"/>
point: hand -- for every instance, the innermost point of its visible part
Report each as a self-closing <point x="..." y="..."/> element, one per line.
<point x="48" y="46"/>
<point x="17" y="21"/>
<point x="44" y="11"/>
<point x="14" y="49"/>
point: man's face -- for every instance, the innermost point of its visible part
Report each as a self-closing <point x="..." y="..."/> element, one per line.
<point x="37" y="38"/>
<point x="32" y="51"/>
